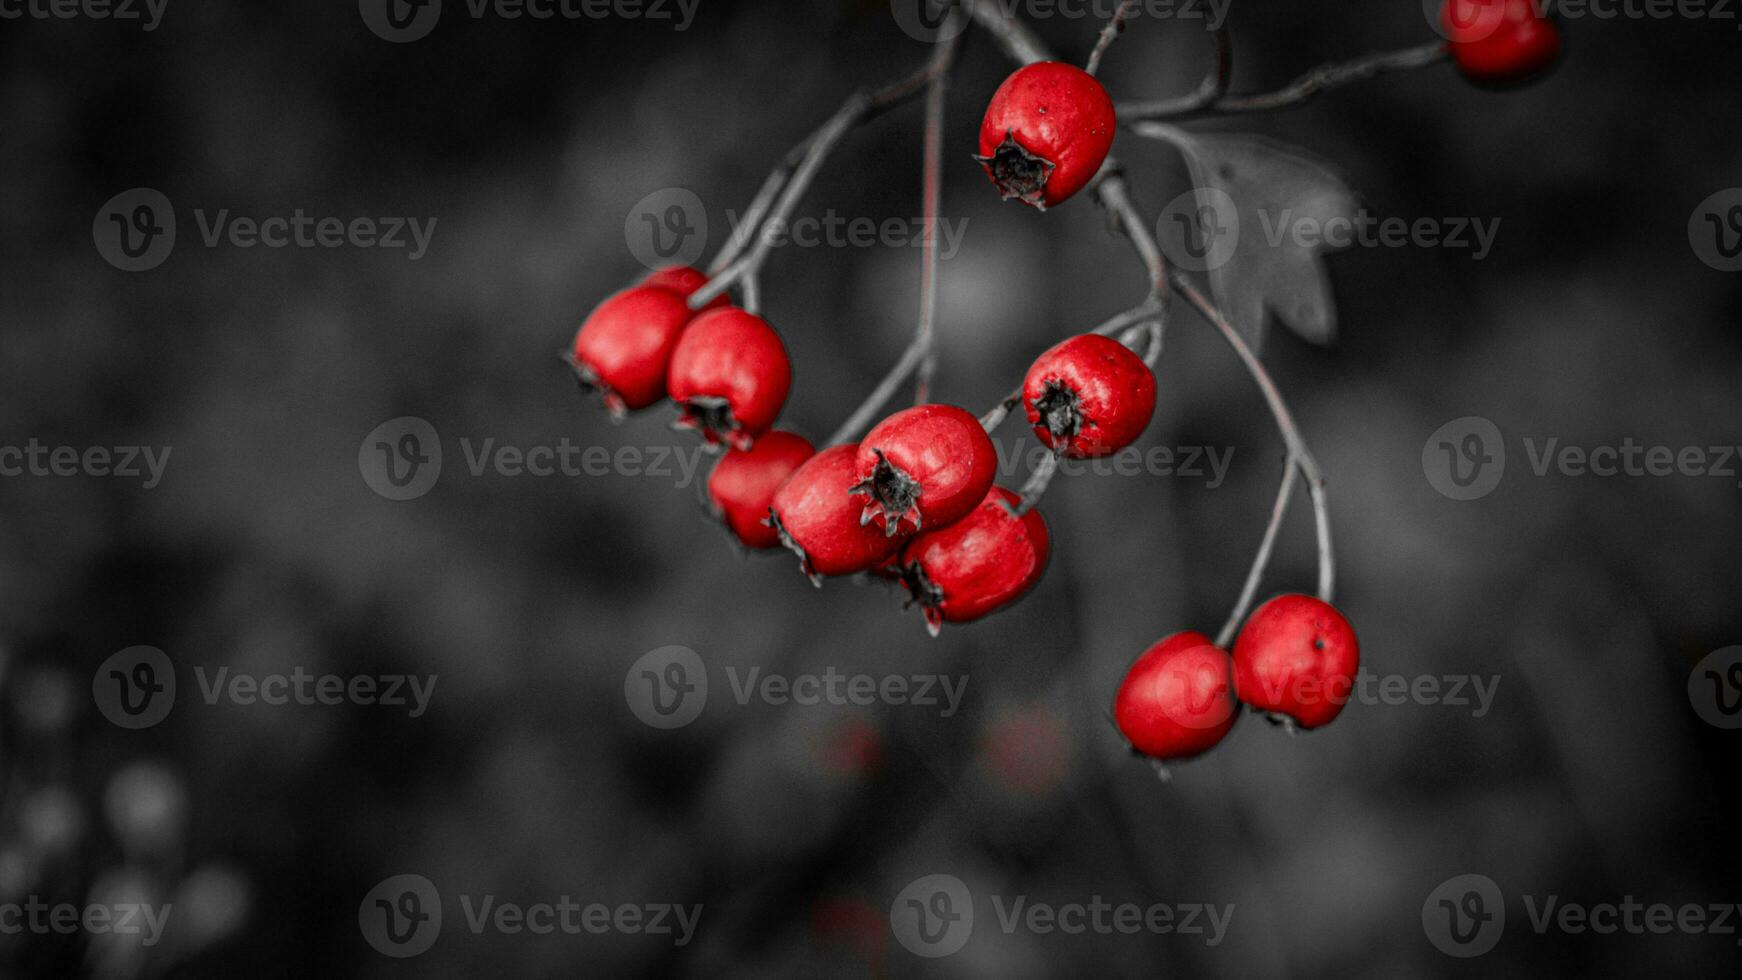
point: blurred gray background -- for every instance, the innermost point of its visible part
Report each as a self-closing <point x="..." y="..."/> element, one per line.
<point x="530" y="142"/>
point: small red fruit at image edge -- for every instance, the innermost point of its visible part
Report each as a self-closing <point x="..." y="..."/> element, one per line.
<point x="743" y="483"/>
<point x="923" y="467"/>
<point x="981" y="563"/>
<point x="684" y="280"/>
<point x="624" y="347"/>
<point x="1089" y="396"/>
<point x="1500" y="42"/>
<point x="1296" y="657"/>
<point x="1045" y="133"/>
<point x="817" y="518"/>
<point x="729" y="375"/>
<point x="1177" y="700"/>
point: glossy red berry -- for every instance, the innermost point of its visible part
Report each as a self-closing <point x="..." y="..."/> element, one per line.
<point x="1089" y="396"/>
<point x="981" y="563"/>
<point x="684" y="280"/>
<point x="729" y="376"/>
<point x="1500" y="42"/>
<point x="623" y="349"/>
<point x="923" y="467"/>
<point x="1296" y="657"/>
<point x="1177" y="700"/>
<point x="1046" y="133"/>
<point x="818" y="519"/>
<point x="742" y="485"/>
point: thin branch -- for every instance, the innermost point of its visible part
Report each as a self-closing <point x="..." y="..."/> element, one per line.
<point x="1262" y="560"/>
<point x="1109" y="34"/>
<point x="1213" y="87"/>
<point x="925" y="334"/>
<point x="1324" y="77"/>
<point x="1297" y="448"/>
<point x="1037" y="483"/>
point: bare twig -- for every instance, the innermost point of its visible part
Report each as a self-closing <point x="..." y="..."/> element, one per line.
<point x="1109" y="34"/>
<point x="1262" y="559"/>
<point x="1328" y="76"/>
<point x="1213" y="87"/>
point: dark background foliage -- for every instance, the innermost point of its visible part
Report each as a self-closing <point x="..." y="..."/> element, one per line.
<point x="530" y="141"/>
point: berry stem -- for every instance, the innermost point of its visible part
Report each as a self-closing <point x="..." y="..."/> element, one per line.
<point x="1299" y="455"/>
<point x="1262" y="559"/>
<point x="1327" y="76"/>
<point x="1109" y="34"/>
<point x="1038" y="481"/>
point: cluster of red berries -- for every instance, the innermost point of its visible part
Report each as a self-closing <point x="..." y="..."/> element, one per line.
<point x="1295" y="659"/>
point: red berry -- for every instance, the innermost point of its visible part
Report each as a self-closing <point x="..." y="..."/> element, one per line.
<point x="1045" y="133"/>
<point x="744" y="480"/>
<point x="1500" y="41"/>
<point x="730" y="376"/>
<point x="1177" y="700"/>
<point x="981" y="563"/>
<point x="924" y="467"/>
<point x="818" y="519"/>
<point x="624" y="347"/>
<point x="1297" y="657"/>
<point x="1089" y="396"/>
<point x="684" y="280"/>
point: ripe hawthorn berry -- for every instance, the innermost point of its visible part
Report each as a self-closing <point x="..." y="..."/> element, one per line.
<point x="1177" y="700"/>
<point x="624" y="347"/>
<point x="981" y="563"/>
<point x="1500" y="42"/>
<point x="729" y="376"/>
<point x="1045" y="133"/>
<point x="924" y="467"/>
<point x="684" y="280"/>
<point x="817" y="518"/>
<point x="1089" y="396"/>
<point x="744" y="480"/>
<point x="1296" y="657"/>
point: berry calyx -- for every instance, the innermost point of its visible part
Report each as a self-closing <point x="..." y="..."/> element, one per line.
<point x="815" y="516"/>
<point x="729" y="376"/>
<point x="1296" y="658"/>
<point x="1089" y="396"/>
<point x="684" y="280"/>
<point x="624" y="347"/>
<point x="923" y="467"/>
<point x="743" y="483"/>
<point x="1177" y="700"/>
<point x="981" y="563"/>
<point x="1500" y="42"/>
<point x="1045" y="133"/>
